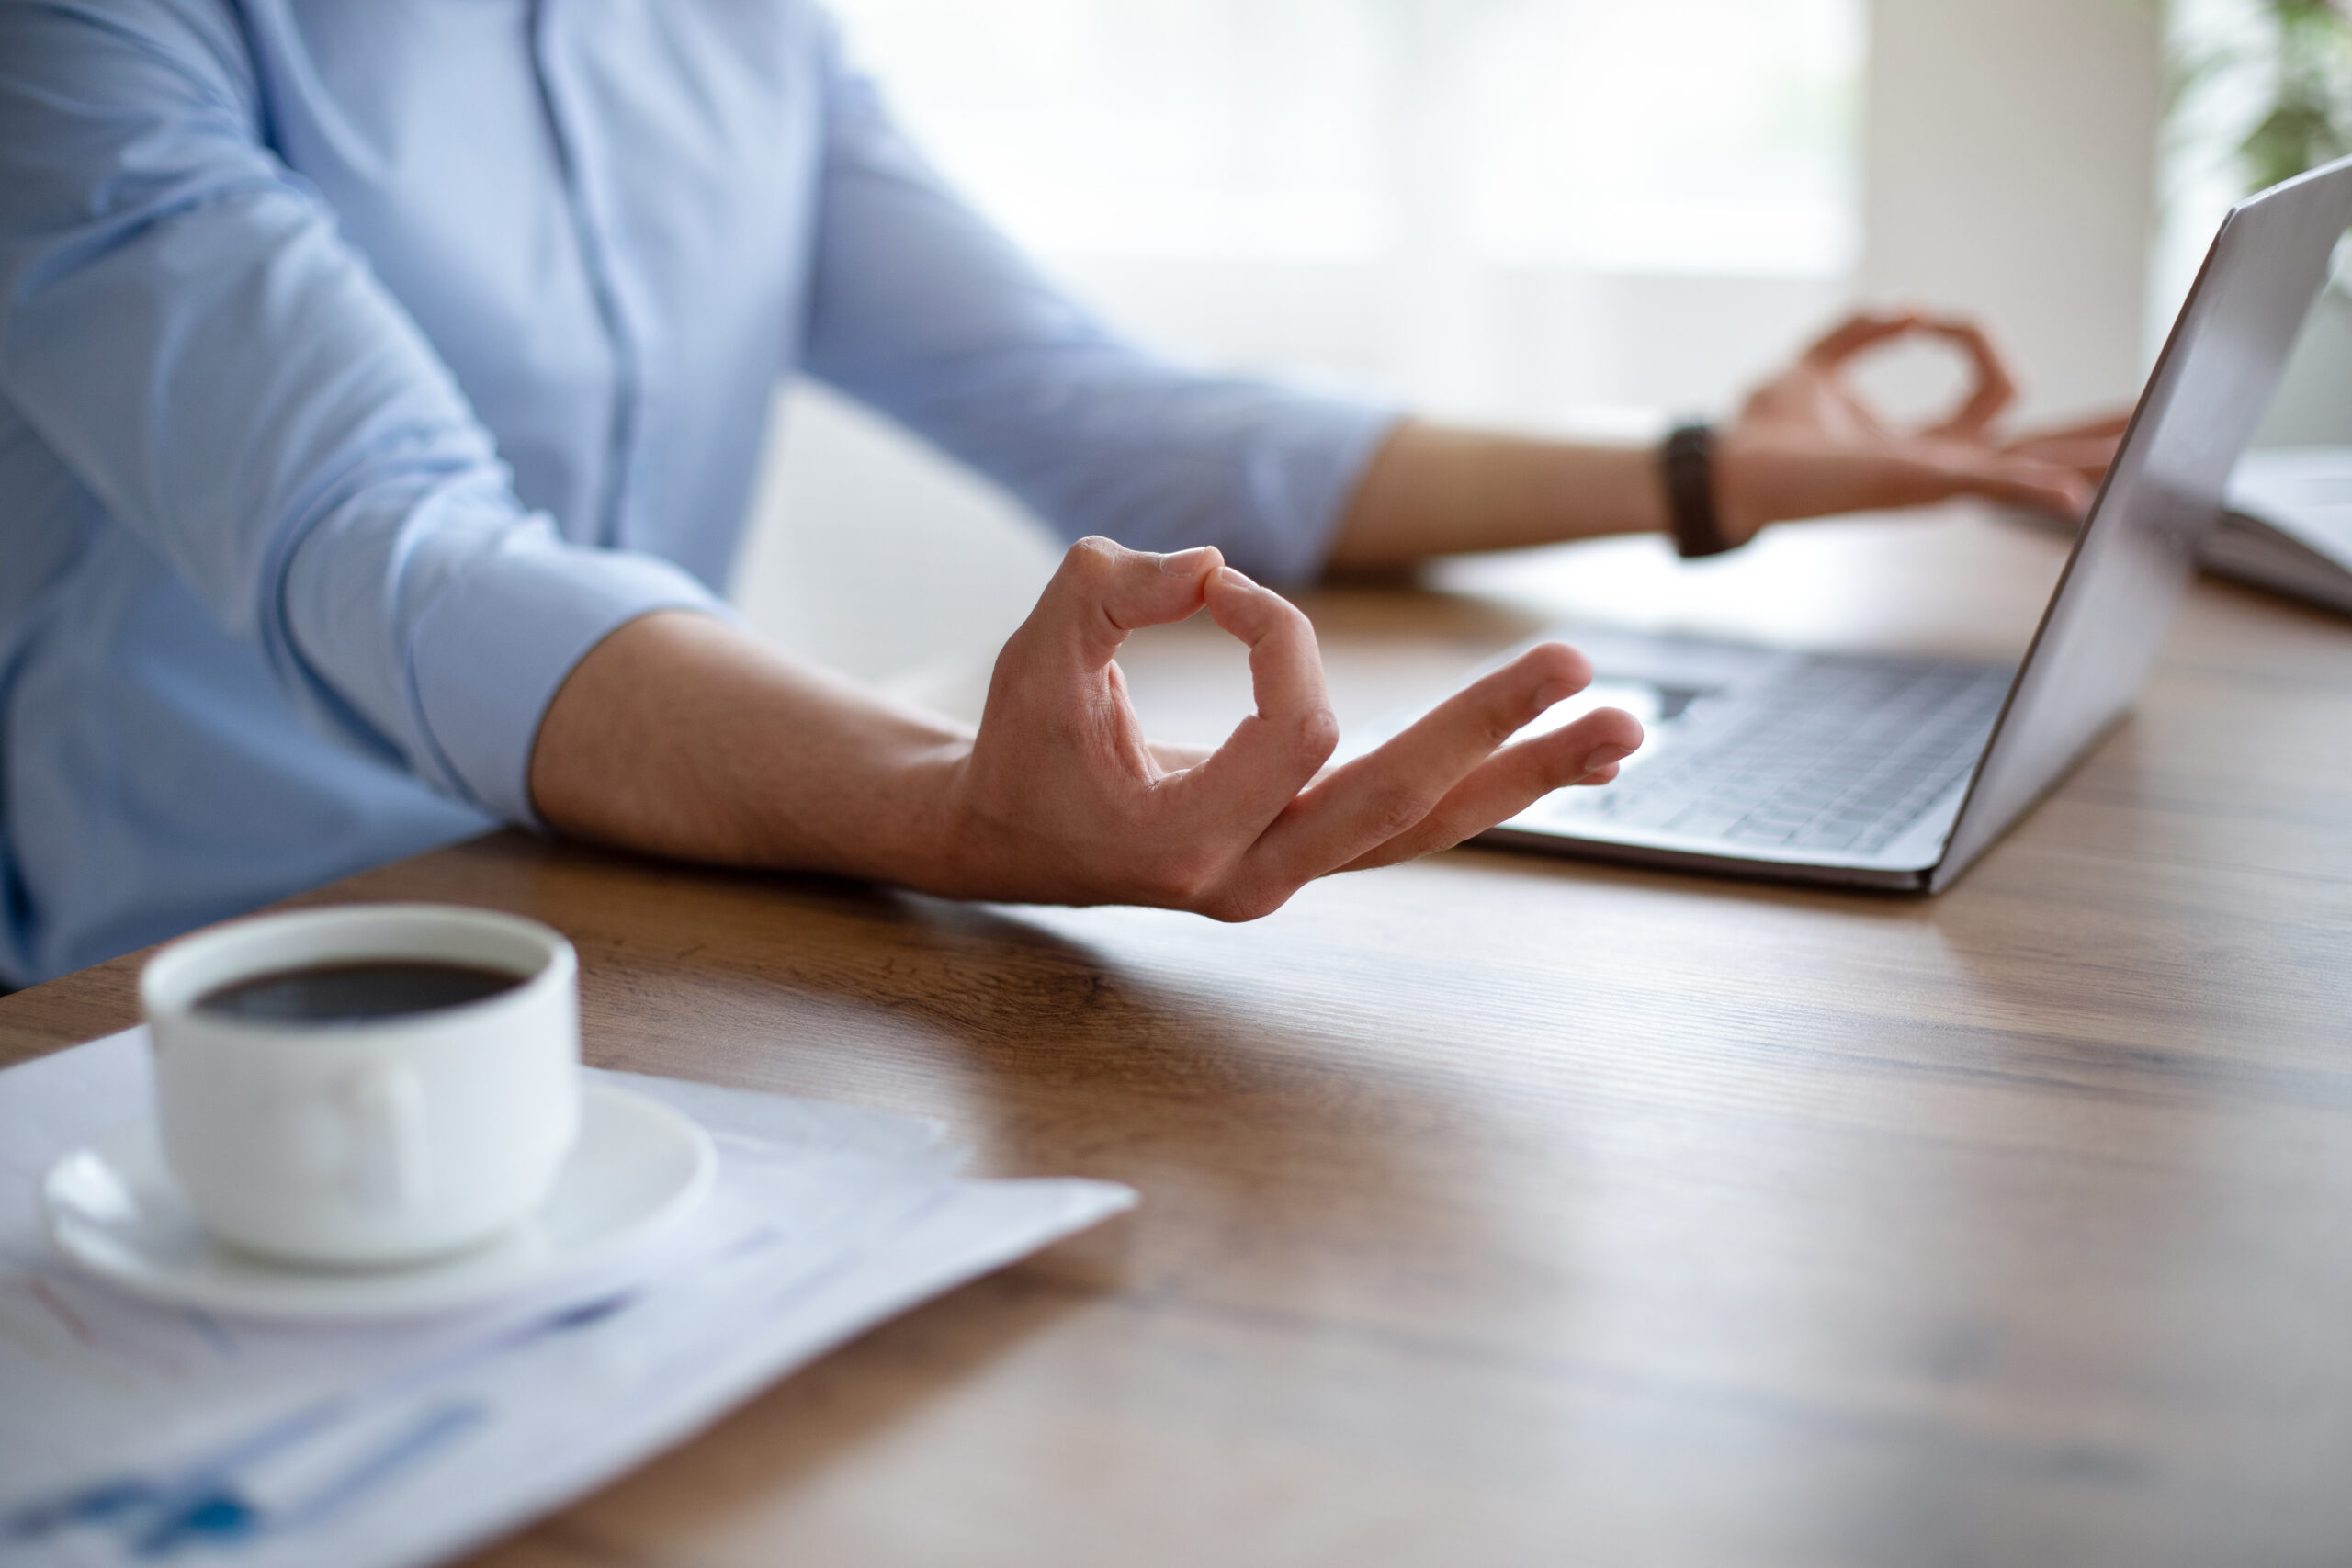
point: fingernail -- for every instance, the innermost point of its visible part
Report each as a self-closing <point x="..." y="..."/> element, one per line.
<point x="1188" y="563"/>
<point x="1235" y="580"/>
<point x="1602" y="756"/>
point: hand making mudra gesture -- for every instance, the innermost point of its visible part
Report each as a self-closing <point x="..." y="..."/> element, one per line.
<point x="1808" y="444"/>
<point x="682" y="735"/>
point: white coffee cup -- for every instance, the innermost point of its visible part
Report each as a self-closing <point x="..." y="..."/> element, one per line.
<point x="376" y="1141"/>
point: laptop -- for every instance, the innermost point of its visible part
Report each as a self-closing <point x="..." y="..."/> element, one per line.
<point x="1897" y="772"/>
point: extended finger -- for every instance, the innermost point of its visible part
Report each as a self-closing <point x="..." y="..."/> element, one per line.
<point x="2109" y="426"/>
<point x="2087" y="447"/>
<point x="1384" y="793"/>
<point x="1104" y="591"/>
<point x="1937" y="474"/>
<point x="2089" y="458"/>
<point x="1272" y="754"/>
<point x="1513" y="778"/>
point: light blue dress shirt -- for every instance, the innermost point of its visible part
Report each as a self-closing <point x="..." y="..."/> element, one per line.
<point x="364" y="362"/>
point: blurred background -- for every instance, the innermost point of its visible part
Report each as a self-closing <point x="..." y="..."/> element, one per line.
<point x="1553" y="214"/>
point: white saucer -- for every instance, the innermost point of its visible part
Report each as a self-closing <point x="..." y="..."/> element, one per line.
<point x="639" y="1167"/>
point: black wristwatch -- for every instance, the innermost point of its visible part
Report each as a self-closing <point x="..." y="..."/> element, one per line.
<point x="1689" y="458"/>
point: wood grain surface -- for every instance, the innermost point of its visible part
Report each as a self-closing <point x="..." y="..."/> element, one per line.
<point x="1509" y="1209"/>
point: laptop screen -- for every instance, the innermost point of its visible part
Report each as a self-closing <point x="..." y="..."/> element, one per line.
<point x="2132" y="562"/>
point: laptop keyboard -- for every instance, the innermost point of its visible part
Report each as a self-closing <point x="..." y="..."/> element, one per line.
<point x="1834" y="756"/>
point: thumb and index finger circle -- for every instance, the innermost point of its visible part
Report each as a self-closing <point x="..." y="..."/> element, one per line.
<point x="1275" y="752"/>
<point x="1992" y="388"/>
<point x="1104" y="591"/>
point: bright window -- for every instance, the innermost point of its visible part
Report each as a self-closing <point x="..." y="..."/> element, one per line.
<point x="1670" y="136"/>
<point x="1674" y="136"/>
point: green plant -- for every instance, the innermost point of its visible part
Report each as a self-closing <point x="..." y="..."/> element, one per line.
<point x="2305" y="57"/>
<point x="2310" y="122"/>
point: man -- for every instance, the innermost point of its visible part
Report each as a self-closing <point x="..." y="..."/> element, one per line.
<point x="379" y="389"/>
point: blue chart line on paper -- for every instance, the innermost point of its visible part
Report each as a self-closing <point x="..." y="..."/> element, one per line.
<point x="154" y="1522"/>
<point x="299" y="1468"/>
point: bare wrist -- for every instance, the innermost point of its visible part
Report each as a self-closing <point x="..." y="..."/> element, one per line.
<point x="933" y="832"/>
<point x="1739" y="511"/>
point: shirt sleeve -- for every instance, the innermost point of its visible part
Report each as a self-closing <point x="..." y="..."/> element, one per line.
<point x="925" y="313"/>
<point x="181" y="324"/>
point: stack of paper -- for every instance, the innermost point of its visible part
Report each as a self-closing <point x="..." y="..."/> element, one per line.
<point x="131" y="1432"/>
<point x="2289" y="526"/>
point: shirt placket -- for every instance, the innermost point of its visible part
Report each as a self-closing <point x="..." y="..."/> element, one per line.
<point x="593" y="234"/>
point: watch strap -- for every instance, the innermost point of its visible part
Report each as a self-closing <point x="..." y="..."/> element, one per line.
<point x="1689" y="459"/>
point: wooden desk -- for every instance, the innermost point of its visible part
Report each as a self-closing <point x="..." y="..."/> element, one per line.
<point x="1501" y="1210"/>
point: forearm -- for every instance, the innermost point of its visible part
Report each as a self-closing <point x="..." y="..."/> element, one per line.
<point x="681" y="736"/>
<point x="1803" y="446"/>
<point x="1433" y="490"/>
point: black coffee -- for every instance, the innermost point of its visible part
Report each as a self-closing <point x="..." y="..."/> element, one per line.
<point x="347" y="993"/>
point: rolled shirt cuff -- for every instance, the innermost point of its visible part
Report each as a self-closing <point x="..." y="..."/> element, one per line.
<point x="490" y="654"/>
<point x="1301" y="479"/>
